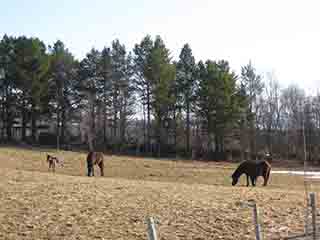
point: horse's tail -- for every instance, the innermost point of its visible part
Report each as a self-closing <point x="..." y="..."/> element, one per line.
<point x="99" y="157"/>
<point x="267" y="173"/>
<point x="268" y="164"/>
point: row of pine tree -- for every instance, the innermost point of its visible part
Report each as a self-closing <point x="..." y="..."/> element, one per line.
<point x="185" y="106"/>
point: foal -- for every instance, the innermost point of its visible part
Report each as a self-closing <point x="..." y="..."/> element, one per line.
<point x="95" y="158"/>
<point x="53" y="161"/>
<point x="252" y="169"/>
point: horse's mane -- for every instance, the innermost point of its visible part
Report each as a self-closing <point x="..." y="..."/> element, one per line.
<point x="239" y="170"/>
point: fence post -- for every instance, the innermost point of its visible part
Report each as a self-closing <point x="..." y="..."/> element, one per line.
<point x="256" y="221"/>
<point x="314" y="215"/>
<point x="306" y="224"/>
<point x="152" y="234"/>
<point x="257" y="228"/>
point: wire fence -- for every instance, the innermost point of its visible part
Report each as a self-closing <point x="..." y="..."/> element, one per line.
<point x="311" y="230"/>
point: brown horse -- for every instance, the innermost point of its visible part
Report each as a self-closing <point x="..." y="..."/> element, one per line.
<point x="252" y="169"/>
<point x="53" y="161"/>
<point x="95" y="158"/>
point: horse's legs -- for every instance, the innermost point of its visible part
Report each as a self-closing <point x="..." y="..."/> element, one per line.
<point x="90" y="170"/>
<point x="101" y="166"/>
<point x="253" y="179"/>
<point x="247" y="180"/>
<point x="266" y="178"/>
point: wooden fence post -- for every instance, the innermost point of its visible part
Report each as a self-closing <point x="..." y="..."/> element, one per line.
<point x="314" y="215"/>
<point x="257" y="228"/>
<point x="256" y="221"/>
<point x="307" y="212"/>
<point x="152" y="234"/>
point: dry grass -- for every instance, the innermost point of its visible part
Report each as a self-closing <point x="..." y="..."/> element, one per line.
<point x="190" y="200"/>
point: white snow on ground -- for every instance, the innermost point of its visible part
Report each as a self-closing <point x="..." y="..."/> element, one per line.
<point x="309" y="174"/>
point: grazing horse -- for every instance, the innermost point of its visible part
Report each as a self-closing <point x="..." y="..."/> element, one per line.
<point x="95" y="158"/>
<point x="252" y="169"/>
<point x="53" y="161"/>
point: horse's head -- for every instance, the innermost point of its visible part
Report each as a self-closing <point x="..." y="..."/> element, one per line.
<point x="234" y="180"/>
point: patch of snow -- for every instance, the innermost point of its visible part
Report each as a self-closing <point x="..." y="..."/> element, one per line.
<point x="310" y="174"/>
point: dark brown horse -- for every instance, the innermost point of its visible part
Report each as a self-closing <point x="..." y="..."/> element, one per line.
<point x="95" y="158"/>
<point x="252" y="169"/>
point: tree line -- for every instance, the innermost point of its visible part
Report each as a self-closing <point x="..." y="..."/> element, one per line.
<point x="144" y="102"/>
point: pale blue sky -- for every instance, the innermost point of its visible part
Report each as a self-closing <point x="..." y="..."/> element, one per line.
<point x="277" y="35"/>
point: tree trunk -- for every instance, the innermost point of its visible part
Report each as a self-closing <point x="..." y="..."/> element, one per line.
<point x="58" y="130"/>
<point x="105" y="112"/>
<point x="209" y="144"/>
<point x="63" y="126"/>
<point x="175" y="131"/>
<point x="105" y="125"/>
<point x="222" y="143"/>
<point x="115" y="123"/>
<point x="269" y="140"/>
<point x="8" y="121"/>
<point x="188" y="130"/>
<point x="115" y="113"/>
<point x="24" y="120"/>
<point x="148" y="119"/>
<point x="9" y="125"/>
<point x="122" y="125"/>
<point x="93" y="125"/>
<point x="90" y="141"/>
<point x="144" y="129"/>
<point x="159" y="140"/>
<point x="33" y="123"/>
<point x="216" y="143"/>
<point x="91" y="128"/>
<point x="2" y="118"/>
<point x="242" y="140"/>
<point x="252" y="141"/>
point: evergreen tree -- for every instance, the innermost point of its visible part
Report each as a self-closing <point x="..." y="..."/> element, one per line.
<point x="162" y="74"/>
<point x="254" y="86"/>
<point x="186" y="79"/>
<point x="89" y="84"/>
<point x="62" y="73"/>
<point x="216" y="103"/>
<point x="142" y="53"/>
<point x="7" y="85"/>
<point x="122" y="98"/>
<point x="32" y="66"/>
<point x="106" y="81"/>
